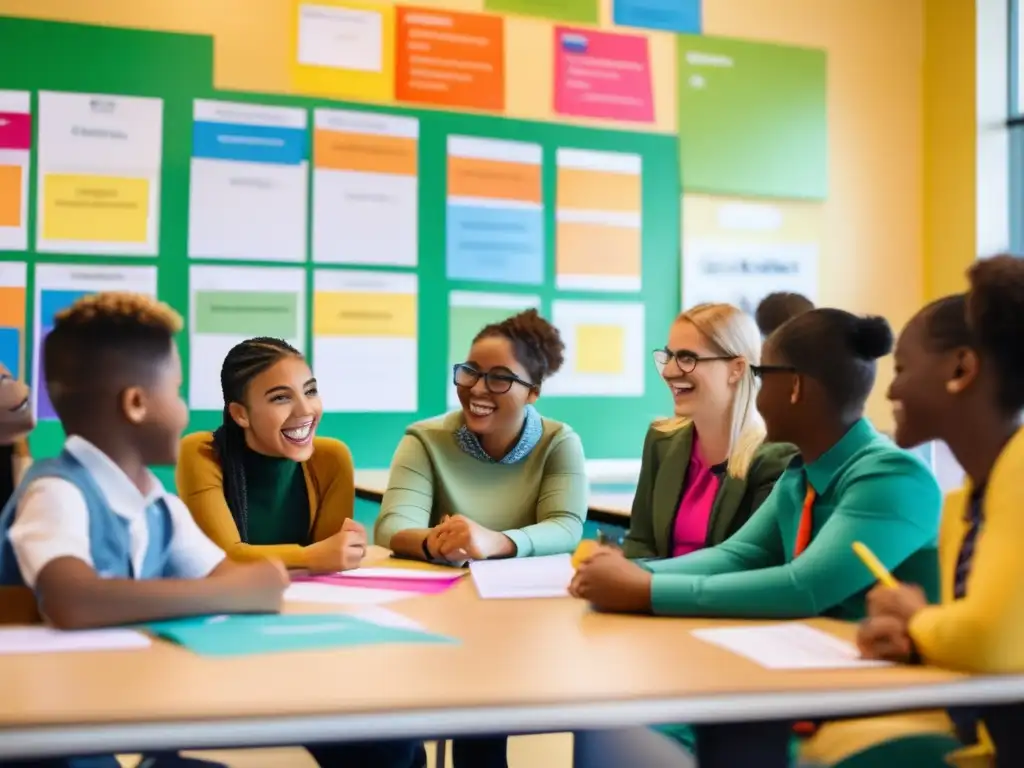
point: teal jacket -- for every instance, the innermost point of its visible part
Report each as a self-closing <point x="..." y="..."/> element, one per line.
<point x="867" y="490"/>
<point x="659" y="489"/>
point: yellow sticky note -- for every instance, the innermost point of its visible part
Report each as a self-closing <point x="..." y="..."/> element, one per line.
<point x="349" y="313"/>
<point x="95" y="209"/>
<point x="10" y="195"/>
<point x="600" y="349"/>
<point x="343" y="49"/>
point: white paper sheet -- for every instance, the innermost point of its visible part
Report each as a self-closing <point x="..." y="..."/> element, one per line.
<point x="47" y="640"/>
<point x="787" y="646"/>
<point x="526" y="577"/>
<point x="316" y="592"/>
<point x="402" y="573"/>
<point x="385" y="617"/>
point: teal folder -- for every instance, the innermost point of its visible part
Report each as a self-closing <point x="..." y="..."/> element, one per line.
<point x="244" y="635"/>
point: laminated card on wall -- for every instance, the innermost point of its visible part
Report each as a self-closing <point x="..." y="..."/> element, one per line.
<point x="365" y="188"/>
<point x="599" y="215"/>
<point x="99" y="164"/>
<point x="468" y="313"/>
<point x="231" y="304"/>
<point x="495" y="211"/>
<point x="604" y="348"/>
<point x="365" y="350"/>
<point x="15" y="146"/>
<point x="249" y="176"/>
<point x="57" y="287"/>
<point x="12" y="316"/>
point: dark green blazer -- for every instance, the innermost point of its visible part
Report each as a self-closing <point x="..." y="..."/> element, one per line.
<point x="659" y="490"/>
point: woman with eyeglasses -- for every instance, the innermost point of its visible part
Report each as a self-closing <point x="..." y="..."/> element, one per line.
<point x="794" y="558"/>
<point x="705" y="470"/>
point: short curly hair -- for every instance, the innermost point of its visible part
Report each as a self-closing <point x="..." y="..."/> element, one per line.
<point x="536" y="343"/>
<point x="103" y="343"/>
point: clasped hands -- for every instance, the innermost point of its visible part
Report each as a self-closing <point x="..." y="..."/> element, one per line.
<point x="885" y="633"/>
<point x="458" y="539"/>
<point x="341" y="552"/>
<point x="610" y="582"/>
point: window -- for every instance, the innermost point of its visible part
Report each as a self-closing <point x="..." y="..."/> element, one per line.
<point x="1015" y="122"/>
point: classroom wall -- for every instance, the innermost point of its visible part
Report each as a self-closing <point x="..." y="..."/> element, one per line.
<point x="872" y="255"/>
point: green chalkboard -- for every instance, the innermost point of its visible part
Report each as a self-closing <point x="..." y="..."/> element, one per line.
<point x="179" y="68"/>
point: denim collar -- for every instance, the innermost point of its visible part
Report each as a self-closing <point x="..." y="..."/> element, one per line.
<point x="533" y="428"/>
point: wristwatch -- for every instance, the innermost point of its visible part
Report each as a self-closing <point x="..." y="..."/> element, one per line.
<point x="426" y="551"/>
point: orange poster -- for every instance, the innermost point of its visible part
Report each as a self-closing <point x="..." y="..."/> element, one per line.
<point x="450" y="59"/>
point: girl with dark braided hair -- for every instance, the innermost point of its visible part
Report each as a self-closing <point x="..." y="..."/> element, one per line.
<point x="264" y="484"/>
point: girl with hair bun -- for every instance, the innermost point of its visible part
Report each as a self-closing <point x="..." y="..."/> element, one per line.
<point x="494" y="479"/>
<point x="960" y="378"/>
<point x="793" y="559"/>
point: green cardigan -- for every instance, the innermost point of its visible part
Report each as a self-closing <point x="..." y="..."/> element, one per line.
<point x="663" y="469"/>
<point x="868" y="490"/>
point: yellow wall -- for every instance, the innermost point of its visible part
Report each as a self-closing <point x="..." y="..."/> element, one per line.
<point x="872" y="258"/>
<point x="950" y="136"/>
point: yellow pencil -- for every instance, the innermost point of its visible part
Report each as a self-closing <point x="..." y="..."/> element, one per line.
<point x="874" y="565"/>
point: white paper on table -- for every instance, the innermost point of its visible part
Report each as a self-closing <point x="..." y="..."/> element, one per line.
<point x="385" y="617"/>
<point x="787" y="646"/>
<point x="402" y="573"/>
<point x="525" y="577"/>
<point x="317" y="592"/>
<point x="47" y="640"/>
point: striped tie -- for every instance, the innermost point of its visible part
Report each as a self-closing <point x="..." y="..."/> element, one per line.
<point x="966" y="719"/>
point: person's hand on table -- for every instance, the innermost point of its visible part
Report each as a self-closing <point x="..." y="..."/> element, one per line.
<point x="460" y="539"/>
<point x="901" y="602"/>
<point x="341" y="552"/>
<point x="885" y="638"/>
<point x="610" y="582"/>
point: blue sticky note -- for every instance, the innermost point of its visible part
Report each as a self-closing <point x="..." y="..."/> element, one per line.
<point x="495" y="243"/>
<point x="670" y="15"/>
<point x="10" y="350"/>
<point x="249" y="143"/>
<point x="246" y="635"/>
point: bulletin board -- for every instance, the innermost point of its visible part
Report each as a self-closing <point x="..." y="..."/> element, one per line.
<point x="39" y="56"/>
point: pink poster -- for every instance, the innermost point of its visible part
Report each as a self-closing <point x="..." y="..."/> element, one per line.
<point x="601" y="74"/>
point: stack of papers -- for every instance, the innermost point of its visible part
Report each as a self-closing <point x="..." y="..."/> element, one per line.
<point x="47" y="640"/>
<point x="524" y="577"/>
<point x="370" y="586"/>
<point x="336" y="594"/>
<point x="787" y="646"/>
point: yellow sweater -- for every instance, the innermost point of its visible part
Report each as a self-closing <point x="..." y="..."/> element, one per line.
<point x="983" y="632"/>
<point x="329" y="483"/>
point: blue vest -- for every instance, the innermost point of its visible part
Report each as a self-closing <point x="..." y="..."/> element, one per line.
<point x="109" y="538"/>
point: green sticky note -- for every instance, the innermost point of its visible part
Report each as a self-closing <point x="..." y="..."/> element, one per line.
<point x="752" y="118"/>
<point x="273" y="633"/>
<point x="248" y="313"/>
<point x="581" y="11"/>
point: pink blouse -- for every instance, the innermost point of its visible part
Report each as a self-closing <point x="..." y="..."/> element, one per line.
<point x="691" y="525"/>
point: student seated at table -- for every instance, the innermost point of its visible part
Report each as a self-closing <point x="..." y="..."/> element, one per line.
<point x="264" y="484"/>
<point x="16" y="421"/>
<point x="92" y="532"/>
<point x="494" y="479"/>
<point x="793" y="558"/>
<point x="777" y="308"/>
<point x="706" y="470"/>
<point x="960" y="379"/>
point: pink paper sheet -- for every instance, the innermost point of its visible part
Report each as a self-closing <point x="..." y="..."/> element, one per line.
<point x="421" y="587"/>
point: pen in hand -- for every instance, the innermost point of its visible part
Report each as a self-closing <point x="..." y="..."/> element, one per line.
<point x="874" y="565"/>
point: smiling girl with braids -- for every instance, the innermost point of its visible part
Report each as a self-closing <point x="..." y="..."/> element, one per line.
<point x="263" y="484"/>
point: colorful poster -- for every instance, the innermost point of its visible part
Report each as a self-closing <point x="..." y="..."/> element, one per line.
<point x="230" y="304"/>
<point x="495" y="211"/>
<point x="752" y="119"/>
<point x="599" y="219"/>
<point x="12" y="316"/>
<point x="468" y="313"/>
<point x="450" y="59"/>
<point x="344" y="49"/>
<point x="577" y="11"/>
<point x="99" y="173"/>
<point x="249" y="174"/>
<point x="738" y="251"/>
<point x="602" y="74"/>
<point x="604" y="349"/>
<point x="365" y="188"/>
<point x="669" y="15"/>
<point x="365" y="350"/>
<point x="15" y="144"/>
<point x="57" y="287"/>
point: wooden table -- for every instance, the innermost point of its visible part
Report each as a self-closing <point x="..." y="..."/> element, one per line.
<point x="521" y="666"/>
<point x="610" y="508"/>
